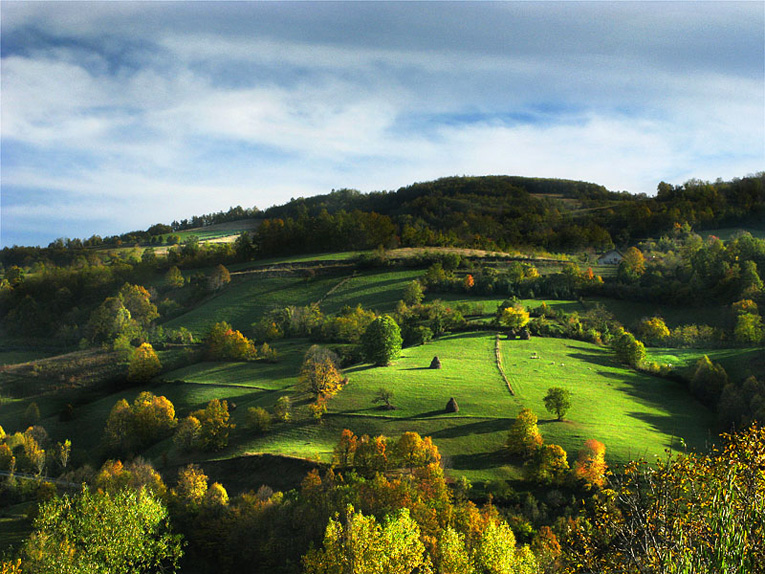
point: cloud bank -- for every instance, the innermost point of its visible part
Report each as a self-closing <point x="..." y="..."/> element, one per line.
<point x="117" y="115"/>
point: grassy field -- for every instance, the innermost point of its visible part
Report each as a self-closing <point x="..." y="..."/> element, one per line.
<point x="630" y="312"/>
<point x="738" y="363"/>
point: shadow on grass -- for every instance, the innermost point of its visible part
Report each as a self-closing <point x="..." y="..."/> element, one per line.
<point x="417" y="369"/>
<point x="479" y="460"/>
<point x="483" y="427"/>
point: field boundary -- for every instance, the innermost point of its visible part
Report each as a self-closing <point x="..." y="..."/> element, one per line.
<point x="500" y="368"/>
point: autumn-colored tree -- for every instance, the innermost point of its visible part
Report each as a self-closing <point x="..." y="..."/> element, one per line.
<point x="549" y="465"/>
<point x="219" y="278"/>
<point x="258" y="419"/>
<point x="362" y="546"/>
<point x="137" y="300"/>
<point x="215" y="426"/>
<point x="496" y="552"/>
<point x="687" y="513"/>
<point x="524" y="437"/>
<point x="590" y="465"/>
<point x="137" y="474"/>
<point x="345" y="449"/>
<point x="149" y="419"/>
<point x="653" y="329"/>
<point x="320" y="376"/>
<point x="468" y="282"/>
<point x="318" y="408"/>
<point x="452" y="556"/>
<point x="223" y="343"/>
<point x="514" y="317"/>
<point x="632" y="265"/>
<point x="191" y="487"/>
<point x="144" y="364"/>
<point x="414" y="451"/>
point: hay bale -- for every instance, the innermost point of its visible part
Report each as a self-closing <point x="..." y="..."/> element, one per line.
<point x="451" y="406"/>
<point x="435" y="363"/>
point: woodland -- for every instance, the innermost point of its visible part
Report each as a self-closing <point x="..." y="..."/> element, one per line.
<point x="446" y="378"/>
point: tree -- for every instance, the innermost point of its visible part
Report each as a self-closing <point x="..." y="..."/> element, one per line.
<point x="496" y="552"/>
<point x="590" y="465"/>
<point x="708" y="381"/>
<point x="220" y="277"/>
<point x="223" y="343"/>
<point x="319" y="374"/>
<point x="258" y="419"/>
<point x="144" y="364"/>
<point x="557" y="401"/>
<point x="125" y="532"/>
<point x="174" y="278"/>
<point x="384" y="396"/>
<point x="749" y="329"/>
<point x="524" y="437"/>
<point x="413" y="294"/>
<point x="187" y="434"/>
<point x="514" y="317"/>
<point x="653" y="329"/>
<point x="283" y="409"/>
<point x="632" y="265"/>
<point x="149" y="419"/>
<point x="628" y="349"/>
<point x="362" y="546"/>
<point x="137" y="300"/>
<point x="381" y="342"/>
<point x="31" y="414"/>
<point x="215" y="426"/>
<point x="549" y="465"/>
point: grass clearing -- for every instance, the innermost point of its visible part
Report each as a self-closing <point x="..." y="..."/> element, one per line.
<point x="739" y="363"/>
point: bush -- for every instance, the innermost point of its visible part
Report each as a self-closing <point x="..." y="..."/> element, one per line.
<point x="258" y="419"/>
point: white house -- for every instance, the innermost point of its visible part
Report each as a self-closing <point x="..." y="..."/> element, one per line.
<point x="611" y="257"/>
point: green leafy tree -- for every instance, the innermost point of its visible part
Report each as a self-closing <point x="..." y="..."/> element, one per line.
<point x="144" y="364"/>
<point x="174" y="278"/>
<point x="126" y="532"/>
<point x="496" y="552"/>
<point x="283" y="409"/>
<point x="413" y="294"/>
<point x="749" y="329"/>
<point x="557" y="401"/>
<point x="382" y="341"/>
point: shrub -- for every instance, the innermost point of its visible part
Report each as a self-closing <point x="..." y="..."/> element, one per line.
<point x="258" y="419"/>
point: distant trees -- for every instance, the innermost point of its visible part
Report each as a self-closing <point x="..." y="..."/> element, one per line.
<point x="557" y="401"/>
<point x="382" y="341"/>
<point x="220" y="277"/>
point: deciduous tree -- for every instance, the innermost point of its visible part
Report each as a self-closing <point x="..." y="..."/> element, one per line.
<point x="382" y="341"/>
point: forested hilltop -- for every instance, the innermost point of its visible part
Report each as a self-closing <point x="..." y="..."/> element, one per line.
<point x="475" y="375"/>
<point x="491" y="212"/>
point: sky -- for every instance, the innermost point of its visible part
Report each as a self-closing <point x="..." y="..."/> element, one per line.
<point x="118" y="115"/>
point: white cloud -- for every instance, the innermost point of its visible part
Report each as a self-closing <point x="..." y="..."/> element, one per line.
<point x="152" y="123"/>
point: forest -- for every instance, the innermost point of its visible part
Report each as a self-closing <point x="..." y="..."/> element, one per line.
<point x="446" y="378"/>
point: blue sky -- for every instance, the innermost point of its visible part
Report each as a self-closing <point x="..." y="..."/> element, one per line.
<point x="118" y="115"/>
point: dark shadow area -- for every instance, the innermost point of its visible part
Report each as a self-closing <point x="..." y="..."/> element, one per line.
<point x="483" y="427"/>
<point x="418" y="369"/>
<point x="478" y="461"/>
<point x="603" y="359"/>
